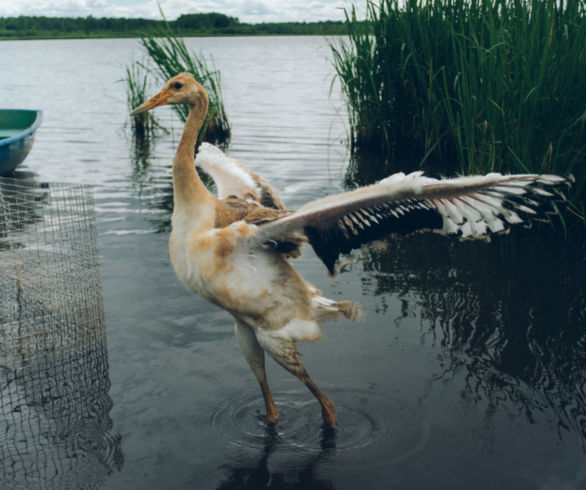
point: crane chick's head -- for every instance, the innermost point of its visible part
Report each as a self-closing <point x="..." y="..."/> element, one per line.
<point x="180" y="89"/>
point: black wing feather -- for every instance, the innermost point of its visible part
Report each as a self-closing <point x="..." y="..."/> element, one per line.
<point x="366" y="225"/>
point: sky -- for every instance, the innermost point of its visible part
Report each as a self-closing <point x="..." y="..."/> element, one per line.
<point x="252" y="11"/>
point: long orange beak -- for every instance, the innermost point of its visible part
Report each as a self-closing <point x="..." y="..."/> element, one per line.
<point x="156" y="101"/>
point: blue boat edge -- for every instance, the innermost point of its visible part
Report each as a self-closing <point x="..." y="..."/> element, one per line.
<point x="14" y="149"/>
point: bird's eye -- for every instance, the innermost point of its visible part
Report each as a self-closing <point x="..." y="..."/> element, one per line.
<point x="177" y="85"/>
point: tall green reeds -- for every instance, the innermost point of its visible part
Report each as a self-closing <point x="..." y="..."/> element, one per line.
<point x="167" y="56"/>
<point x="469" y="86"/>
<point x="170" y="56"/>
<point x="138" y="89"/>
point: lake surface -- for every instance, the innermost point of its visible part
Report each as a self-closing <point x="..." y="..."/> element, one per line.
<point x="467" y="372"/>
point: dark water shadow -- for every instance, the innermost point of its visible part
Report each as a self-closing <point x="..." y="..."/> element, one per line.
<point x="252" y="470"/>
<point x="508" y="315"/>
<point x="368" y="165"/>
<point x="56" y="424"/>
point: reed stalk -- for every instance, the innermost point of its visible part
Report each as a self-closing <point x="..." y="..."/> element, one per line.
<point x="469" y="86"/>
<point x="138" y="89"/>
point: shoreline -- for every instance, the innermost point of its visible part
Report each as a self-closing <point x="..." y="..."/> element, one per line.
<point x="138" y="36"/>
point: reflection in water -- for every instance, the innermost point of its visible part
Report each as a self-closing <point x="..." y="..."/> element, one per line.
<point x="55" y="427"/>
<point x="365" y="167"/>
<point x="153" y="188"/>
<point x="252" y="471"/>
<point x="368" y="165"/>
<point x="141" y="151"/>
<point x="19" y="207"/>
<point x="508" y="315"/>
<point x="56" y="430"/>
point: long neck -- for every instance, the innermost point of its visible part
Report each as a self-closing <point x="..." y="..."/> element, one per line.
<point x="188" y="189"/>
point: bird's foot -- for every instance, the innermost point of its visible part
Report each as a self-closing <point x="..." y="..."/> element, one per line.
<point x="328" y="413"/>
<point x="272" y="416"/>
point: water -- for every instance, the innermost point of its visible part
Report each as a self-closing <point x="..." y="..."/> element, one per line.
<point x="468" y="371"/>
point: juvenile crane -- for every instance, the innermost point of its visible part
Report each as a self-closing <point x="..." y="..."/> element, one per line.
<point x="234" y="249"/>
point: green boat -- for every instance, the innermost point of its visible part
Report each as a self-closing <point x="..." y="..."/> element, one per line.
<point x="17" y="133"/>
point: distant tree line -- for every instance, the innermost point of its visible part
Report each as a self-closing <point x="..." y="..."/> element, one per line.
<point x="206" y="24"/>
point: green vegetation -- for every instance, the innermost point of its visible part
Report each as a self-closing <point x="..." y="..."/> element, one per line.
<point x="208" y="24"/>
<point x="469" y="86"/>
<point x="169" y="56"/>
<point x="28" y="27"/>
<point x="139" y="89"/>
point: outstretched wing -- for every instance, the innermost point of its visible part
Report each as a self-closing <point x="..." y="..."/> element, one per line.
<point x="467" y="206"/>
<point x="232" y="178"/>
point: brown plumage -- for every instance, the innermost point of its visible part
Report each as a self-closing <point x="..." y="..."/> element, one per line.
<point x="234" y="209"/>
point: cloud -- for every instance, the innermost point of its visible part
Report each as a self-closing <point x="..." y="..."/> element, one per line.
<point x="256" y="9"/>
<point x="246" y="10"/>
<point x="53" y="8"/>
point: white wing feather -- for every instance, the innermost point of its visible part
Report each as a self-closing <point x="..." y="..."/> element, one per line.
<point x="233" y="178"/>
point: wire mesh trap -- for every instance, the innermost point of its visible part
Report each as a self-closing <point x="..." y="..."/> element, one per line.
<point x="55" y="426"/>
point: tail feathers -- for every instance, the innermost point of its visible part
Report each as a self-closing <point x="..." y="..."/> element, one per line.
<point x="350" y="309"/>
<point x="327" y="309"/>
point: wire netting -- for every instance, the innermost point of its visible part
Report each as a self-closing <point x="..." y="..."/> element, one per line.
<point x="55" y="425"/>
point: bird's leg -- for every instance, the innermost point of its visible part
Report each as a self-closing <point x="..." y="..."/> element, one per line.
<point x="272" y="411"/>
<point x="285" y="353"/>
<point x="254" y="355"/>
<point x="328" y="409"/>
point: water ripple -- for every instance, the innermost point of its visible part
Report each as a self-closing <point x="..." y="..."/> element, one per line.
<point x="394" y="428"/>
